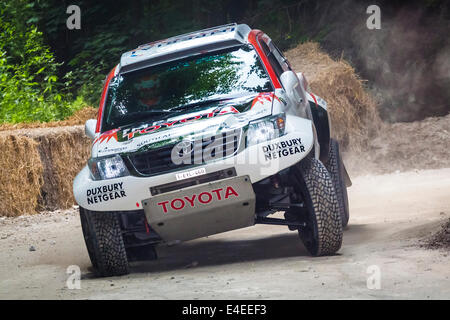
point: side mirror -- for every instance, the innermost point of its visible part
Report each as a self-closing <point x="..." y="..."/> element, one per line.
<point x="291" y="84"/>
<point x="89" y="128"/>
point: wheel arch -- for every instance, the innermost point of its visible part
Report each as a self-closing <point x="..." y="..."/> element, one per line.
<point x="321" y="121"/>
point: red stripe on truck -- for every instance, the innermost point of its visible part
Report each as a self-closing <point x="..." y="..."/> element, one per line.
<point x="102" y="100"/>
<point x="252" y="38"/>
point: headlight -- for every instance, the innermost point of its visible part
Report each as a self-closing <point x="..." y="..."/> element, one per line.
<point x="107" y="168"/>
<point x="266" y="129"/>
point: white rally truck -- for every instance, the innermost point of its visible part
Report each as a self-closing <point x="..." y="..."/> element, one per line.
<point x="204" y="133"/>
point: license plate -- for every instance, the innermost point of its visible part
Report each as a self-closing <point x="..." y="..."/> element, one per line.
<point x="190" y="174"/>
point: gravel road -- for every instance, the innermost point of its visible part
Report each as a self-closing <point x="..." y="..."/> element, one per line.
<point x="391" y="214"/>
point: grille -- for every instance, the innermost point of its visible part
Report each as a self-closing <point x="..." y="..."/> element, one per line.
<point x="159" y="160"/>
<point x="213" y="176"/>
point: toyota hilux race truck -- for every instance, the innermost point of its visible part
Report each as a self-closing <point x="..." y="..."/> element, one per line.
<point x="204" y="133"/>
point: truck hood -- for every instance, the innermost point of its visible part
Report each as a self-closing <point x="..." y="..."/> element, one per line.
<point x="212" y="119"/>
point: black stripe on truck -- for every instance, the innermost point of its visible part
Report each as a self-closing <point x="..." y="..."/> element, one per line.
<point x="320" y="118"/>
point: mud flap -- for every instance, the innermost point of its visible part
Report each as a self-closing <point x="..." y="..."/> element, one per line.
<point x="203" y="210"/>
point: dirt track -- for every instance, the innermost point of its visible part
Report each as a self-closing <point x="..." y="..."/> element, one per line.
<point x="390" y="214"/>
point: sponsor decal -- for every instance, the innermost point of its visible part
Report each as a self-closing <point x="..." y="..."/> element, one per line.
<point x="144" y="129"/>
<point x="106" y="149"/>
<point x="106" y="136"/>
<point x="264" y="96"/>
<point x="190" y="174"/>
<point x="105" y="193"/>
<point x="282" y="149"/>
<point x="192" y="201"/>
<point x="283" y="100"/>
<point x="153" y="139"/>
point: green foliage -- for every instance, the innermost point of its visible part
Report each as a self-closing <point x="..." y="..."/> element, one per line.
<point x="30" y="88"/>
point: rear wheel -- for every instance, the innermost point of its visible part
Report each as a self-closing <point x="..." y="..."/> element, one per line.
<point x="322" y="234"/>
<point x="335" y="167"/>
<point x="104" y="242"/>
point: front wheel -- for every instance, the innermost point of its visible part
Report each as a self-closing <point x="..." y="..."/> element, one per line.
<point x="104" y="242"/>
<point x="322" y="234"/>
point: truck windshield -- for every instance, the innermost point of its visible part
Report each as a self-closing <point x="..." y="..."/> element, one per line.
<point x="176" y="87"/>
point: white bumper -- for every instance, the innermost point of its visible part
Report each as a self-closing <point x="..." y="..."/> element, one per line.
<point x="258" y="162"/>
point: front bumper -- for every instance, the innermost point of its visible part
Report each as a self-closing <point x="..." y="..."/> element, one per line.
<point x="256" y="162"/>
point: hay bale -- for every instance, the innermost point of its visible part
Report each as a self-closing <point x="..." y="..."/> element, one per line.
<point x="20" y="175"/>
<point x="353" y="111"/>
<point x="57" y="151"/>
<point x="38" y="167"/>
<point x="69" y="153"/>
<point x="63" y="151"/>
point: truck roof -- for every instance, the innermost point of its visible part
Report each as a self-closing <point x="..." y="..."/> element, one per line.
<point x="184" y="45"/>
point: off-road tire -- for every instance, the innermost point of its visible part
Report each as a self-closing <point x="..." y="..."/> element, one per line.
<point x="323" y="232"/>
<point x="335" y="167"/>
<point x="104" y="242"/>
